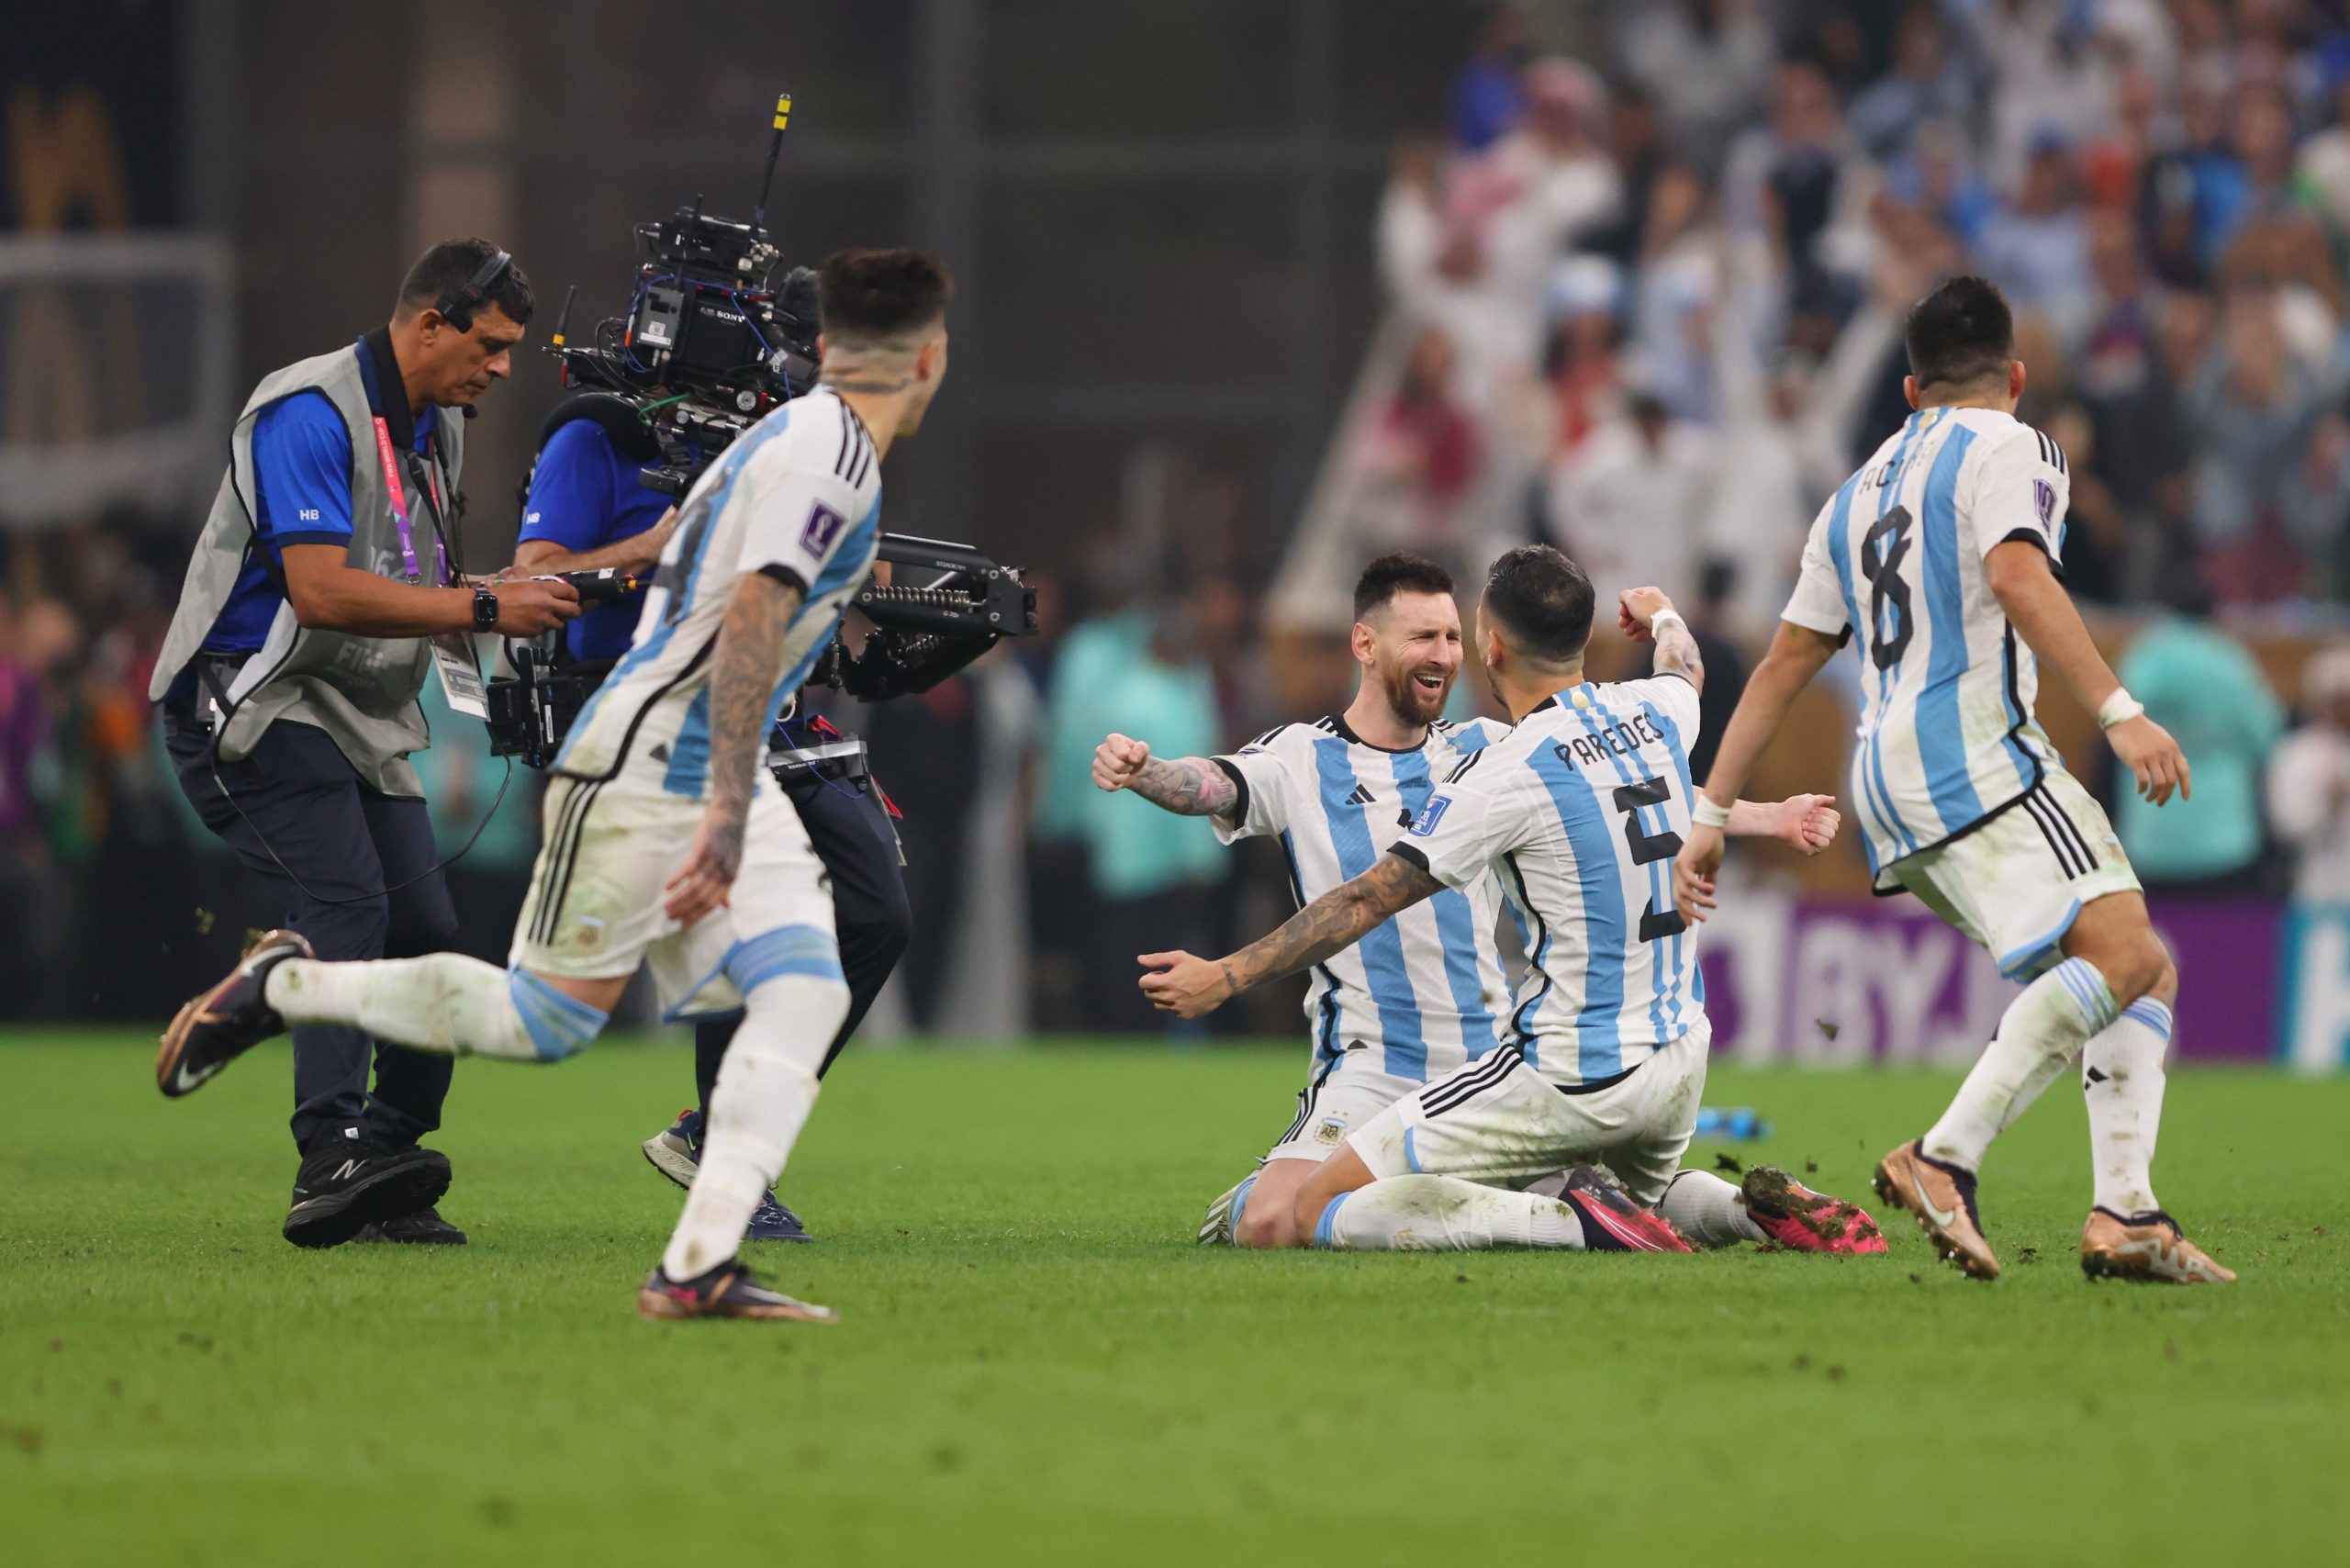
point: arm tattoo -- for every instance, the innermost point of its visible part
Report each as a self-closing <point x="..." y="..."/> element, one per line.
<point x="1332" y="923"/>
<point x="742" y="684"/>
<point x="1189" y="786"/>
<point x="1676" y="653"/>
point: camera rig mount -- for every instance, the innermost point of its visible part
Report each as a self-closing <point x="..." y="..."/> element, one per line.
<point x="712" y="338"/>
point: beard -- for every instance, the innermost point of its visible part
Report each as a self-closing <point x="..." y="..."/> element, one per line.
<point x="1412" y="702"/>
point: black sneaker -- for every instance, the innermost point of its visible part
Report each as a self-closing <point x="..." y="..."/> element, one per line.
<point x="772" y="1222"/>
<point x="728" y="1291"/>
<point x="424" y="1227"/>
<point x="347" y="1183"/>
<point x="227" y="1020"/>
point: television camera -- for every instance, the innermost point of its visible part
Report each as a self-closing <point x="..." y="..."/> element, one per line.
<point x="710" y="343"/>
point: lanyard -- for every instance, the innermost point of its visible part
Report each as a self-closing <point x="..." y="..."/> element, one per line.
<point x="399" y="511"/>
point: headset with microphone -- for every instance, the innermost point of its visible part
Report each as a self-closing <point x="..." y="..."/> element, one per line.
<point x="457" y="306"/>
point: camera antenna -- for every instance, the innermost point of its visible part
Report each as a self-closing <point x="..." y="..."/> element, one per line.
<point x="775" y="147"/>
<point x="564" y="318"/>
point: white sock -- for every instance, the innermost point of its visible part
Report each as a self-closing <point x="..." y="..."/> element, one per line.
<point x="767" y="1087"/>
<point x="1444" y="1214"/>
<point x="1708" y="1210"/>
<point x="2121" y="1078"/>
<point x="444" y="1002"/>
<point x="2054" y="1017"/>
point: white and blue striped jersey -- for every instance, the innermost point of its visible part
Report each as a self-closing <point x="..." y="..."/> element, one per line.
<point x="798" y="496"/>
<point x="1425" y="994"/>
<point x="1580" y="810"/>
<point x="1947" y="734"/>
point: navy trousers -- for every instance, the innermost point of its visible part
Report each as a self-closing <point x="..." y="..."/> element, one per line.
<point x="297" y="801"/>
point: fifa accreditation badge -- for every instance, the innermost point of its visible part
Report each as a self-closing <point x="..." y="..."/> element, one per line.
<point x="1430" y="814"/>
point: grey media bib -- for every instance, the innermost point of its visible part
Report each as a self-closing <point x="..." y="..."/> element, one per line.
<point x="361" y="691"/>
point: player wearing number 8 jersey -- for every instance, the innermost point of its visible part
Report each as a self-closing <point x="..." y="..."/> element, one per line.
<point x="1940" y="561"/>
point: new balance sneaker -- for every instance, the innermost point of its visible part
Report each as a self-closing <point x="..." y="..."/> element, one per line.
<point x="676" y="1152"/>
<point x="1612" y="1222"/>
<point x="728" y="1291"/>
<point x="2145" y="1247"/>
<point x="1943" y="1197"/>
<point x="348" y="1182"/>
<point x="227" y="1020"/>
<point x="425" y="1228"/>
<point x="1796" y="1218"/>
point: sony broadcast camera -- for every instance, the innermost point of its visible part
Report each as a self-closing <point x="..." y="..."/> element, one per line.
<point x="713" y="340"/>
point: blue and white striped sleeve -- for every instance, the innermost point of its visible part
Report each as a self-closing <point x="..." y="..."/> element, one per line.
<point x="1474" y="818"/>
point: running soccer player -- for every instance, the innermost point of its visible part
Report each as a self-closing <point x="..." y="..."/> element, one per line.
<point x="1423" y="995"/>
<point x="667" y="843"/>
<point x="1943" y="552"/>
<point x="1575" y="811"/>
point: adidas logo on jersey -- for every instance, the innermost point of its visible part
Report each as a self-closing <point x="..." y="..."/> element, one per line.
<point x="1362" y="796"/>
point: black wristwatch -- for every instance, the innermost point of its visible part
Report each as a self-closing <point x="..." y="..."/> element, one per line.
<point x="485" y="609"/>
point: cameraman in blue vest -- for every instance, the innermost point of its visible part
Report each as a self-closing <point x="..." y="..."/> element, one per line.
<point x="586" y="510"/>
<point x="326" y="583"/>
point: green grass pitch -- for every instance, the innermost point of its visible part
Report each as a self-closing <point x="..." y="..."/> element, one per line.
<point x="1037" y="1365"/>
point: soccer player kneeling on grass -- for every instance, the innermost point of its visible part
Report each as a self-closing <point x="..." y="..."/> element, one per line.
<point x="1577" y="810"/>
<point x="1941" y="554"/>
<point x="666" y="841"/>
<point x="1425" y="994"/>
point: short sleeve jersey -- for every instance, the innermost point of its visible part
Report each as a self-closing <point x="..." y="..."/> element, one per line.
<point x="302" y="462"/>
<point x="1424" y="993"/>
<point x="1947" y="733"/>
<point x="797" y="496"/>
<point x="1579" y="811"/>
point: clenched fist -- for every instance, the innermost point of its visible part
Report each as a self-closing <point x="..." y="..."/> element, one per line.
<point x="1118" y="762"/>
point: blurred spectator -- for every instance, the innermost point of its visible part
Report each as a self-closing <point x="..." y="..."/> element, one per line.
<point x="2200" y="685"/>
<point x="1706" y="63"/>
<point x="2308" y="783"/>
<point x="1424" y="445"/>
<point x="1151" y="874"/>
<point x="2262" y="496"/>
<point x="1627" y="504"/>
<point x="1585" y="385"/>
<point x="1486" y="101"/>
<point x="1929" y="80"/>
<point x="1636" y="140"/>
<point x="1678" y="276"/>
<point x="1789" y="176"/>
<point x="1476" y="258"/>
<point x="2038" y="245"/>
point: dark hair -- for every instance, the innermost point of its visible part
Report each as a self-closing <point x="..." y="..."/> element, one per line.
<point x="868" y="295"/>
<point x="449" y="266"/>
<point x="1543" y="601"/>
<point x="1399" y="571"/>
<point x="1960" y="332"/>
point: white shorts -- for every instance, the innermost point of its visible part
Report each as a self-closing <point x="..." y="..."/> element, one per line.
<point x="1327" y="1112"/>
<point x="607" y="853"/>
<point x="2017" y="883"/>
<point x="1499" y="1122"/>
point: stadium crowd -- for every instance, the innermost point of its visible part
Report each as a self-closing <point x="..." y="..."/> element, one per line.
<point x="1648" y="308"/>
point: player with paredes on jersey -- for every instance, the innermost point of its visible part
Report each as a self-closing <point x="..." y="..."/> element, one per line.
<point x="1425" y="994"/>
<point x="1942" y="554"/>
<point x="1576" y="812"/>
